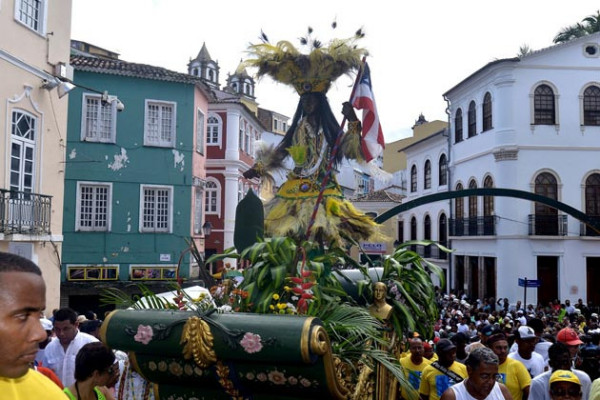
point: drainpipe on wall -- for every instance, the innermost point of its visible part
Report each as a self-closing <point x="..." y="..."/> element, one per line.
<point x="450" y="210"/>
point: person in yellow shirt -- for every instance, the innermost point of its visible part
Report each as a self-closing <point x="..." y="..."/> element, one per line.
<point x="512" y="373"/>
<point x="413" y="366"/>
<point x="22" y="301"/>
<point x="441" y="374"/>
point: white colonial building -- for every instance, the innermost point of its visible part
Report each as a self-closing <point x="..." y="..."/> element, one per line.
<point x="533" y="124"/>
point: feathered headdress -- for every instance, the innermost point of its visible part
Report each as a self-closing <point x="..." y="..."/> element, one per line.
<point x="312" y="72"/>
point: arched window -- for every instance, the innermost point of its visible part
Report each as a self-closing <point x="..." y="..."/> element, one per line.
<point x="472" y="129"/>
<point x="592" y="195"/>
<point x="458" y="126"/>
<point x="487" y="112"/>
<point x="443" y="170"/>
<point x="427" y="173"/>
<point x="413" y="228"/>
<point x="473" y="224"/>
<point x="427" y="228"/>
<point x="546" y="217"/>
<point x="212" y="200"/>
<point x="543" y="106"/>
<point x="427" y="235"/>
<point x="443" y="234"/>
<point x="459" y="207"/>
<point x="591" y="106"/>
<point x="413" y="179"/>
<point x="472" y="200"/>
<point x="213" y="130"/>
<point x="488" y="201"/>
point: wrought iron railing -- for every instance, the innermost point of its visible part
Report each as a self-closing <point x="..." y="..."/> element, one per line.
<point x="587" y="230"/>
<point x="473" y="226"/>
<point x="547" y="225"/>
<point x="431" y="251"/>
<point x="24" y="212"/>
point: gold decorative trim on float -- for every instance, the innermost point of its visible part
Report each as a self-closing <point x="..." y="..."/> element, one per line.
<point x="226" y="383"/>
<point x="198" y="342"/>
<point x="135" y="365"/>
<point x="319" y="344"/>
<point x="104" y="326"/>
<point x="305" y="339"/>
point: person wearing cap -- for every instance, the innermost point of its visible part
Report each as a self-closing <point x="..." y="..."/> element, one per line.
<point x="526" y="340"/>
<point x="22" y="301"/>
<point x="484" y="334"/>
<point x="413" y="366"/>
<point x="443" y="373"/>
<point x="560" y="359"/>
<point x="47" y="325"/>
<point x="428" y="352"/>
<point x="564" y="384"/>
<point x="512" y="372"/>
<point x="482" y="368"/>
<point x="569" y="337"/>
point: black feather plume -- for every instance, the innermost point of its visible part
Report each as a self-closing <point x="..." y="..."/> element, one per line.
<point x="317" y="44"/>
<point x="263" y="37"/>
<point x="303" y="41"/>
<point x="310" y="30"/>
<point x="359" y="33"/>
<point x="334" y="24"/>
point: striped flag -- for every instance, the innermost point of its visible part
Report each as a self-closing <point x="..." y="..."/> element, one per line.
<point x="373" y="142"/>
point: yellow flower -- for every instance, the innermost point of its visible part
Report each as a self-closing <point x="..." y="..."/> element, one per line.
<point x="281" y="306"/>
<point x="287" y="288"/>
<point x="275" y="296"/>
<point x="271" y="307"/>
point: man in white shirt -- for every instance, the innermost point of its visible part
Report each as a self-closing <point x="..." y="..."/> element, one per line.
<point x="560" y="358"/>
<point x="60" y="353"/>
<point x="526" y="340"/>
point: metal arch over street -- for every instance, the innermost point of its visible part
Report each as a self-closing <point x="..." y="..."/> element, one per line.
<point x="520" y="194"/>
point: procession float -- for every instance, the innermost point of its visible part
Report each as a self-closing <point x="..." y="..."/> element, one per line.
<point x="306" y="320"/>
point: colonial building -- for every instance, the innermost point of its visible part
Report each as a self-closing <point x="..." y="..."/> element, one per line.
<point x="533" y="124"/>
<point x="34" y="62"/>
<point x="425" y="156"/>
<point x="233" y="127"/>
<point x="135" y="177"/>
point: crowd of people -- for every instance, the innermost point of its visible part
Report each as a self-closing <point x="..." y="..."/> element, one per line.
<point x="488" y="349"/>
<point x="480" y="350"/>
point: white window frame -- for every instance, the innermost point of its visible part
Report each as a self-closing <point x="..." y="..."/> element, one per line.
<point x="200" y="131"/>
<point x="210" y="141"/>
<point x="24" y="142"/>
<point x="198" y="209"/>
<point x="42" y="18"/>
<point x="112" y="106"/>
<point x="160" y="142"/>
<point x="207" y="192"/>
<point x="108" y="226"/>
<point x="153" y="229"/>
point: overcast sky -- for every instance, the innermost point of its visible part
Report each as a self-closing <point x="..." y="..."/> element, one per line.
<point x="418" y="49"/>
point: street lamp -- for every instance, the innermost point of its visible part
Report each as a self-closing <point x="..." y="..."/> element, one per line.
<point x="207" y="228"/>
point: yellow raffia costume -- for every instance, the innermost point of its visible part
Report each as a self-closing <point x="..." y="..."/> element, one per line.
<point x="310" y="142"/>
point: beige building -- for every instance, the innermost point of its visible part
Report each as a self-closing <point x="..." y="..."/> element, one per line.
<point x="34" y="54"/>
<point x="394" y="159"/>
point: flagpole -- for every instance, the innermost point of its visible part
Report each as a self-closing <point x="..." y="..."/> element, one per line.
<point x="334" y="151"/>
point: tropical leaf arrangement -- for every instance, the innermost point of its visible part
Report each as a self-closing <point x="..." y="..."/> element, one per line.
<point x="285" y="277"/>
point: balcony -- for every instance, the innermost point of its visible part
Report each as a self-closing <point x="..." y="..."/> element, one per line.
<point x="473" y="226"/>
<point x="431" y="251"/>
<point x="24" y="213"/>
<point x="547" y="225"/>
<point x="586" y="230"/>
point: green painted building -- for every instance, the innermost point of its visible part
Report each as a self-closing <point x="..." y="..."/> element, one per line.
<point x="134" y="174"/>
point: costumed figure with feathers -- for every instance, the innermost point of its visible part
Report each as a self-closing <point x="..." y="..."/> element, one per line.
<point x="310" y="142"/>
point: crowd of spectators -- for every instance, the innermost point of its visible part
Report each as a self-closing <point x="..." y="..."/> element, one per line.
<point x="524" y="339"/>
